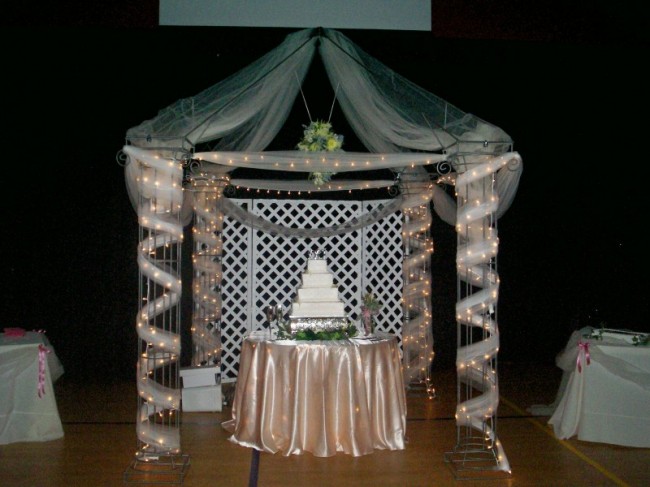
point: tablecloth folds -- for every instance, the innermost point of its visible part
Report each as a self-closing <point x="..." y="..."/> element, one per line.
<point x="605" y="391"/>
<point x="28" y="368"/>
<point x="319" y="397"/>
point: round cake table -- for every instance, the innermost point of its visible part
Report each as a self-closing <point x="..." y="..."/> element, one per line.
<point x="321" y="397"/>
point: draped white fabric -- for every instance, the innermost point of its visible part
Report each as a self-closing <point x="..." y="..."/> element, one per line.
<point x="301" y="161"/>
<point x="382" y="211"/>
<point x="605" y="389"/>
<point x="245" y="111"/>
<point x="28" y="409"/>
<point x="444" y="205"/>
<point x="253" y="221"/>
<point x="400" y="123"/>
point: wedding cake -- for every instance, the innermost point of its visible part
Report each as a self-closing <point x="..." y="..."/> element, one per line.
<point x="317" y="303"/>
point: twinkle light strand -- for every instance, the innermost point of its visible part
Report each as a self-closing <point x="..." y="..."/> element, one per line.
<point x="161" y="196"/>
<point x="417" y="339"/>
<point x="208" y="225"/>
<point x="476" y="309"/>
<point x="296" y="160"/>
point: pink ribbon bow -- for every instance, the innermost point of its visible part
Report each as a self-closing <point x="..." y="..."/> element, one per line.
<point x="583" y="349"/>
<point x="42" y="352"/>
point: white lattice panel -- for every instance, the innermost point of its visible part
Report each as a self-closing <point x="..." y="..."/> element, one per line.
<point x="235" y="292"/>
<point x="382" y="268"/>
<point x="260" y="269"/>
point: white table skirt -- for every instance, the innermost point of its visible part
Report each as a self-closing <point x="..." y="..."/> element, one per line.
<point x="608" y="399"/>
<point x="321" y="397"/>
<point x="24" y="414"/>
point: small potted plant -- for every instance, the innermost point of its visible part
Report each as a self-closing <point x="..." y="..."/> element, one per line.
<point x="369" y="308"/>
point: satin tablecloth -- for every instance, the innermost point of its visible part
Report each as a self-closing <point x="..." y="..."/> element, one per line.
<point x="605" y="399"/>
<point x="24" y="415"/>
<point x="321" y="397"/>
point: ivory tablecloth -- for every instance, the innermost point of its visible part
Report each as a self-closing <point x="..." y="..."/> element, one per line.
<point x="321" y="397"/>
<point x="606" y="398"/>
<point x="26" y="415"/>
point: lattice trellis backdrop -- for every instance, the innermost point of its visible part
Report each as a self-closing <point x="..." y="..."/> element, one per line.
<point x="260" y="269"/>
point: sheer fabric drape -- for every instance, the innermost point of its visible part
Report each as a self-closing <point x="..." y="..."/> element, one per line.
<point x="394" y="118"/>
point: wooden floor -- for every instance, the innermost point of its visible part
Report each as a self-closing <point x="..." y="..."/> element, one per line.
<point x="99" y="443"/>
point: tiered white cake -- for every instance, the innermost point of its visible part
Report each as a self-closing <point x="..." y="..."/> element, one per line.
<point x="317" y="303"/>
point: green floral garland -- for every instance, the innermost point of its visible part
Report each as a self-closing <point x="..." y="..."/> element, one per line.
<point x="341" y="333"/>
<point x="642" y="339"/>
<point x="338" y="333"/>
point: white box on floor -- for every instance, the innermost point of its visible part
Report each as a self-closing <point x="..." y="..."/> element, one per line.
<point x="205" y="398"/>
<point x="200" y="376"/>
<point x="201" y="388"/>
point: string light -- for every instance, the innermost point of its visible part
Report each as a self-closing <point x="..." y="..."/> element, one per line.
<point x="160" y="183"/>
<point x="477" y="248"/>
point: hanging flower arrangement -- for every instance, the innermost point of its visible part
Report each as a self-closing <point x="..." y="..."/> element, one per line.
<point x="317" y="137"/>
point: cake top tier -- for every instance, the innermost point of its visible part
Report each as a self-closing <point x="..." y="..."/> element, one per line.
<point x="316" y="266"/>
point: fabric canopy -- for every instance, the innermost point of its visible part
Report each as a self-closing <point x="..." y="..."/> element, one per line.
<point x="245" y="111"/>
<point x="401" y="124"/>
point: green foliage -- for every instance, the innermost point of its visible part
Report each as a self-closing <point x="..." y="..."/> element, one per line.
<point x="371" y="303"/>
<point x="339" y="333"/>
<point x="637" y="338"/>
<point x="318" y="136"/>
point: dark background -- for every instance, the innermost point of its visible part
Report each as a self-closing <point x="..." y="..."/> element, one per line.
<point x="568" y="84"/>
